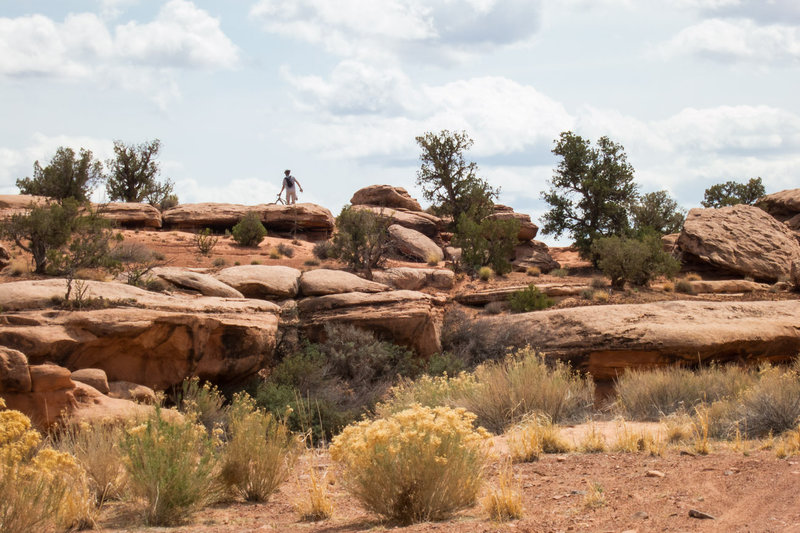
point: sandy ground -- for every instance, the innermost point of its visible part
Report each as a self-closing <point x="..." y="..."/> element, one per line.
<point x="750" y="491"/>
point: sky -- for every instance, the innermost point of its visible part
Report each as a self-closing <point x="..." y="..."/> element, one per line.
<point x="697" y="91"/>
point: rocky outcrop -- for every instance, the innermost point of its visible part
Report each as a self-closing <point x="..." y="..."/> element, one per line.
<point x="14" y="375"/>
<point x="502" y="294"/>
<point x="125" y="390"/>
<point x="527" y="229"/>
<point x="262" y="281"/>
<point x="14" y="204"/>
<point x="406" y="317"/>
<point x="205" y="284"/>
<point x="782" y="205"/>
<point x="742" y="239"/>
<point x="159" y="344"/>
<point x="131" y="215"/>
<point x="533" y="254"/>
<point x="322" y="281"/>
<point x="417" y="220"/>
<point x="93" y="377"/>
<point x="5" y="257"/>
<point x="414" y="244"/>
<point x="304" y="218"/>
<point x="609" y="339"/>
<point x="385" y="196"/>
<point x="794" y="275"/>
<point x="414" y="279"/>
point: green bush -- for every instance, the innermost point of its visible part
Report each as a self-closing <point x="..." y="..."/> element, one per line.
<point x="361" y="239"/>
<point x="249" y="231"/>
<point x="205" y="241"/>
<point x="684" y="286"/>
<point x="171" y="465"/>
<point x="529" y="299"/>
<point x="323" y="250"/>
<point x="489" y="242"/>
<point x="635" y="261"/>
<point x="42" y="230"/>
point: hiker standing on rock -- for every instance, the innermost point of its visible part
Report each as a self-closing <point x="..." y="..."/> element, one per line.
<point x="288" y="184"/>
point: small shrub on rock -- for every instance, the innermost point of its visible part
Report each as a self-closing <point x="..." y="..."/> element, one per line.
<point x="529" y="299"/>
<point x="485" y="273"/>
<point x="627" y="260"/>
<point x="249" y="231"/>
<point x="417" y="465"/>
<point x="361" y="239"/>
<point x="684" y="286"/>
<point x="205" y="241"/>
<point x="323" y="250"/>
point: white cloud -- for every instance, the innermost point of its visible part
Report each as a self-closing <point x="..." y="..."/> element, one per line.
<point x="133" y="55"/>
<point x="421" y="30"/>
<point x="737" y="40"/>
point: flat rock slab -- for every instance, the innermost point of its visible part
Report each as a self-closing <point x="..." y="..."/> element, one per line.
<point x="783" y="205"/>
<point x="131" y="214"/>
<point x="414" y="244"/>
<point x="322" y="281"/>
<point x="417" y="220"/>
<point x="502" y="294"/>
<point x="303" y="217"/>
<point x="205" y="284"/>
<point x="385" y="196"/>
<point x="606" y="340"/>
<point x="408" y="318"/>
<point x="262" y="281"/>
<point x="741" y="239"/>
<point x="414" y="279"/>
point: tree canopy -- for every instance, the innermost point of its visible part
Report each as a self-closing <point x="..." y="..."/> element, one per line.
<point x="659" y="212"/>
<point x="133" y="174"/>
<point x="591" y="192"/>
<point x="448" y="181"/>
<point x="67" y="176"/>
<point x="733" y="193"/>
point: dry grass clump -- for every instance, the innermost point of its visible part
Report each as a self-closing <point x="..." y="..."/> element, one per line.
<point x="504" y="502"/>
<point x="427" y="391"/>
<point x="653" y="394"/>
<point x="601" y="296"/>
<point x="485" y="273"/>
<point x="773" y="403"/>
<point x="18" y="267"/>
<point x="534" y="436"/>
<point x="524" y="383"/>
<point x="417" y="465"/>
<point x="260" y="451"/>
<point x="171" y="466"/>
<point x="534" y="272"/>
<point x="39" y="486"/>
<point x="789" y="444"/>
<point x="668" y="286"/>
<point x="96" y="449"/>
<point x="432" y="259"/>
<point x="594" y="497"/>
<point x="693" y="276"/>
<point x="317" y="504"/>
<point x="598" y="282"/>
<point x="593" y="441"/>
<point x="202" y="401"/>
<point x="630" y="441"/>
<point x="684" y="286"/>
<point x="678" y="428"/>
<point x="700" y="425"/>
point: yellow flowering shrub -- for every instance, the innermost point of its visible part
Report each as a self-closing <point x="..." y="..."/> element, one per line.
<point x="39" y="487"/>
<point x="427" y="391"/>
<point x="416" y="465"/>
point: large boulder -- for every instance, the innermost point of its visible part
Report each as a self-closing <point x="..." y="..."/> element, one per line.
<point x="783" y="205"/>
<point x="527" y="229"/>
<point x="5" y="257"/>
<point x="322" y="281"/>
<point x="14" y="204"/>
<point x="414" y="244"/>
<point x="94" y="377"/>
<point x="533" y="254"/>
<point x="262" y="281"/>
<point x="312" y="220"/>
<point x="417" y="220"/>
<point x="414" y="279"/>
<point x="607" y="340"/>
<point x="405" y="317"/>
<point x="385" y="196"/>
<point x="742" y="239"/>
<point x="168" y="338"/>
<point x="205" y="284"/>
<point x="50" y="397"/>
<point x="14" y="374"/>
<point x="131" y="214"/>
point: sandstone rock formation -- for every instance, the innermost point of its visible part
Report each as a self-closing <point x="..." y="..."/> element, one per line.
<point x="609" y="339"/>
<point x="322" y="281"/>
<point x="262" y="281"/>
<point x="312" y="220"/>
<point x="94" y="377"/>
<point x="385" y="196"/>
<point x="205" y="284"/>
<point x="171" y="338"/>
<point x="533" y="254"/>
<point x="417" y="220"/>
<point x="125" y="390"/>
<point x="742" y="239"/>
<point x="414" y="244"/>
<point x="783" y="205"/>
<point x="14" y="374"/>
<point x="527" y="229"/>
<point x="502" y="294"/>
<point x="13" y="204"/>
<point x="414" y="279"/>
<point x="131" y="215"/>
<point x="406" y="317"/>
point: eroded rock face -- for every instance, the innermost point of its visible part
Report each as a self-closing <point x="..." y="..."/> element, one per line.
<point x="310" y="219"/>
<point x="14" y="375"/>
<point x="205" y="284"/>
<point x="609" y="339"/>
<point x="414" y="244"/>
<point x="14" y="204"/>
<point x="386" y="196"/>
<point x="322" y="281"/>
<point x="527" y="229"/>
<point x="125" y="390"/>
<point x="262" y="281"/>
<point x="741" y="239"/>
<point x="414" y="279"/>
<point x="93" y="377"/>
<point x="131" y="215"/>
<point x="533" y="254"/>
<point x="783" y="205"/>
<point x="171" y="338"/>
<point x="406" y="317"/>
<point x="5" y="257"/>
<point x="417" y="220"/>
<point x="502" y="294"/>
